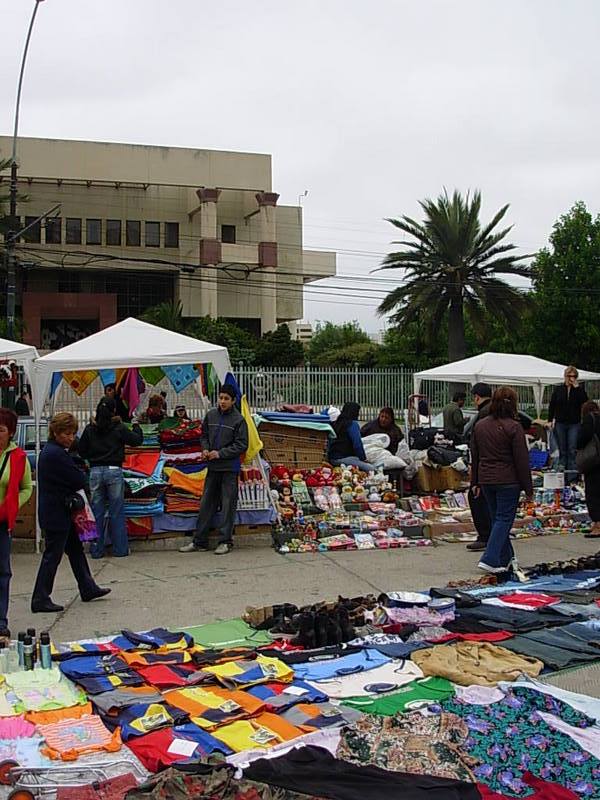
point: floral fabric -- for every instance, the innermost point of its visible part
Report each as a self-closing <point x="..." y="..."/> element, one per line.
<point x="510" y="738"/>
<point x="410" y="743"/>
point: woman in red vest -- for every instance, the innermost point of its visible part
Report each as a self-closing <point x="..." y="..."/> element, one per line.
<point x="15" y="491"/>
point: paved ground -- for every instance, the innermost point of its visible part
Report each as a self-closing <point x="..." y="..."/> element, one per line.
<point x="169" y="588"/>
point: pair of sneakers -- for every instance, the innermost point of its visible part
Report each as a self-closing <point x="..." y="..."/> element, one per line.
<point x="220" y="550"/>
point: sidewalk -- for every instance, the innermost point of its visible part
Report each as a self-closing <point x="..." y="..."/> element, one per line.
<point x="174" y="589"/>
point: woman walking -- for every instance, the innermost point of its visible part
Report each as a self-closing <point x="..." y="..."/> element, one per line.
<point x="590" y="427"/>
<point x="564" y="413"/>
<point x="15" y="491"/>
<point x="103" y="444"/>
<point x="58" y="480"/>
<point x="500" y="469"/>
<point x="347" y="448"/>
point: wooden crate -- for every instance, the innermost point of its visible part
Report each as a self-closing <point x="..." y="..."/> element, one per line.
<point x="296" y="448"/>
<point x="438" y="480"/>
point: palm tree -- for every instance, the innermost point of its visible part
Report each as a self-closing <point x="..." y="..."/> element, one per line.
<point x="168" y="315"/>
<point x="451" y="267"/>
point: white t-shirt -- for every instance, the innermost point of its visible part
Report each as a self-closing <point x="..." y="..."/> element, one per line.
<point x="396" y="673"/>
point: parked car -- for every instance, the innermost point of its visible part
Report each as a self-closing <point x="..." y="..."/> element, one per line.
<point x="25" y="436"/>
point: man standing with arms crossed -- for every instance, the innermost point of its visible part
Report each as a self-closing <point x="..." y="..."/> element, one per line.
<point x="224" y="440"/>
<point x="482" y="397"/>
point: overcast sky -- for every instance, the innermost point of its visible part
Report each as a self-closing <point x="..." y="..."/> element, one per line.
<point x="369" y="106"/>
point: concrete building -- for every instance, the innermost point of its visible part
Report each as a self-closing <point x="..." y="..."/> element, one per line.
<point x="139" y="225"/>
<point x="301" y="331"/>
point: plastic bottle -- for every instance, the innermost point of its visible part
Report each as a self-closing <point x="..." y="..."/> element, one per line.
<point x="45" y="653"/>
<point x="13" y="658"/>
<point x="3" y="660"/>
<point x="31" y="632"/>
<point x="20" y="642"/>
<point x="28" y="658"/>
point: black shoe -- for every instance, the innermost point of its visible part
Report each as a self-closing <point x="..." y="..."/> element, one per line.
<point x="98" y="592"/>
<point x="45" y="607"/>
<point x="476" y="546"/>
<point x="306" y="633"/>
<point x="321" y="628"/>
<point x="5" y="633"/>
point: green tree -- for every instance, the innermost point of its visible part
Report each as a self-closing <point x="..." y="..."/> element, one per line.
<point x="240" y="344"/>
<point x="166" y="315"/>
<point x="566" y="276"/>
<point x="452" y="266"/>
<point x="330" y="342"/>
<point x="278" y="349"/>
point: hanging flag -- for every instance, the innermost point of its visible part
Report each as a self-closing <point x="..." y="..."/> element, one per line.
<point x="56" y="379"/>
<point x="107" y="376"/>
<point x="181" y="375"/>
<point x="255" y="444"/>
<point x="130" y="391"/>
<point x="152" y="375"/>
<point x="79" y="380"/>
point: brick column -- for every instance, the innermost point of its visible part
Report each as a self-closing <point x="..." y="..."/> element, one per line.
<point x="267" y="258"/>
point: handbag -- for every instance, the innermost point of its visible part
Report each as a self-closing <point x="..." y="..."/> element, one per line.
<point x="83" y="518"/>
<point x="588" y="458"/>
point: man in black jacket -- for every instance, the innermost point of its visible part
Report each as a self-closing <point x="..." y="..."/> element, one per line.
<point x="482" y="397"/>
<point x="224" y="440"/>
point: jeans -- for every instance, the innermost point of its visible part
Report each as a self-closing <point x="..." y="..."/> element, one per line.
<point x="5" y="573"/>
<point x="566" y="434"/>
<point x="57" y="543"/>
<point x="502" y="500"/>
<point x="107" y="488"/>
<point x="220" y="491"/>
<point x="353" y="461"/>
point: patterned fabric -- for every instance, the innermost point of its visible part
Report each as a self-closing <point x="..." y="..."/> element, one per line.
<point x="56" y="379"/>
<point x="410" y="743"/>
<point x="107" y="376"/>
<point x="217" y="784"/>
<point x="181" y="375"/>
<point x="510" y="738"/>
<point x="79" y="380"/>
<point x="207" y="379"/>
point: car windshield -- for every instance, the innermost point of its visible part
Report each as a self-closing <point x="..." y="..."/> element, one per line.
<point x="29" y="439"/>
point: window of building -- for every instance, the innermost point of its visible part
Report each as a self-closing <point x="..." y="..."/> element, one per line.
<point x="69" y="281"/>
<point x="171" y="234"/>
<point x="133" y="233"/>
<point x="54" y="230"/>
<point x="113" y="232"/>
<point x="228" y="234"/>
<point x="152" y="234"/>
<point x="93" y="231"/>
<point x="34" y="234"/>
<point x="73" y="231"/>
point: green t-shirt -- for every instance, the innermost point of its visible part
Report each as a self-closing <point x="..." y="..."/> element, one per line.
<point x="407" y="698"/>
<point x="228" y="633"/>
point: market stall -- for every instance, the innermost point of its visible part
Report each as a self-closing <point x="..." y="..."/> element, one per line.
<point x="21" y="355"/>
<point x="502" y="368"/>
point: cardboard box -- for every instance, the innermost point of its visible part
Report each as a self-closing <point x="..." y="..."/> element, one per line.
<point x="430" y="479"/>
<point x="24" y="527"/>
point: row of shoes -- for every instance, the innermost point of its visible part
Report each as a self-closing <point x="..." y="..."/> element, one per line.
<point x="566" y="567"/>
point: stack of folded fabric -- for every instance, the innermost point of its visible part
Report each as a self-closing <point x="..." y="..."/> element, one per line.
<point x="184" y="490"/>
<point x="183" y="440"/>
<point x="144" y="484"/>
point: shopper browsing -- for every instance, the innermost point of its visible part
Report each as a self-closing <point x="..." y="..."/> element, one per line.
<point x="15" y="491"/>
<point x="58" y="480"/>
<point x="590" y="427"/>
<point x="454" y="420"/>
<point x="564" y="415"/>
<point x="224" y="440"/>
<point x="482" y="397"/>
<point x="347" y="447"/>
<point x="103" y="443"/>
<point x="500" y="470"/>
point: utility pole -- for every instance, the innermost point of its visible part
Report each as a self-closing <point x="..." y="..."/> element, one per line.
<point x="13" y="232"/>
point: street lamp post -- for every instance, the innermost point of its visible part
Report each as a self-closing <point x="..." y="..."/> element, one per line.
<point x="11" y="239"/>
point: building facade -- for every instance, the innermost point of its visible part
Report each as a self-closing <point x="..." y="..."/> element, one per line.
<point x="139" y="225"/>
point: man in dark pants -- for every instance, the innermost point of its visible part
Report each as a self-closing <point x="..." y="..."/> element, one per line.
<point x="224" y="439"/>
<point x="482" y="397"/>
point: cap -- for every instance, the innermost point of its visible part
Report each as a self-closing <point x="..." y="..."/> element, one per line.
<point x="482" y="389"/>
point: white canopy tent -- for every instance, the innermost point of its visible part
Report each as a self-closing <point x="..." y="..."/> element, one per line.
<point x="502" y="368"/>
<point x="22" y="354"/>
<point x="130" y="343"/>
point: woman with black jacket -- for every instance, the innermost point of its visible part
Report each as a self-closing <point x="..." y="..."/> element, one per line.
<point x="58" y="480"/>
<point x="590" y="425"/>
<point x="564" y="413"/>
<point x="103" y="445"/>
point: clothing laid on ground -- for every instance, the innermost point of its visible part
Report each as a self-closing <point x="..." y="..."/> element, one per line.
<point x="543" y="790"/>
<point x="69" y="739"/>
<point x="481" y="663"/>
<point x="314" y="716"/>
<point x="265" y="730"/>
<point x="315" y="770"/>
<point x="161" y="748"/>
<point x="239" y="674"/>
<point x="510" y="737"/>
<point x="365" y="683"/>
<point x="542" y="645"/>
<point x="410" y="743"/>
<point x="337" y="667"/>
<point x="281" y="696"/>
<point x="211" y="706"/>
<point x="512" y="619"/>
<point x="43" y="690"/>
<point x="228" y="633"/>
<point x="143" y="718"/>
<point x="419" y="693"/>
<point x="116" y="699"/>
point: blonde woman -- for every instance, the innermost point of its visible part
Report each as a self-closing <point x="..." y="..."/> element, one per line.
<point x="564" y="415"/>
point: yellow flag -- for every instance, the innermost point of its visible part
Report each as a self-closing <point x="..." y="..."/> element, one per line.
<point x="254" y="442"/>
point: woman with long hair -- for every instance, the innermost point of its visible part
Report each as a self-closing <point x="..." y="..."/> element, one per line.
<point x="58" y="480"/>
<point x="15" y="491"/>
<point x="564" y="415"/>
<point x="590" y="426"/>
<point x="347" y="447"/>
<point x="500" y="470"/>
<point x="103" y="444"/>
